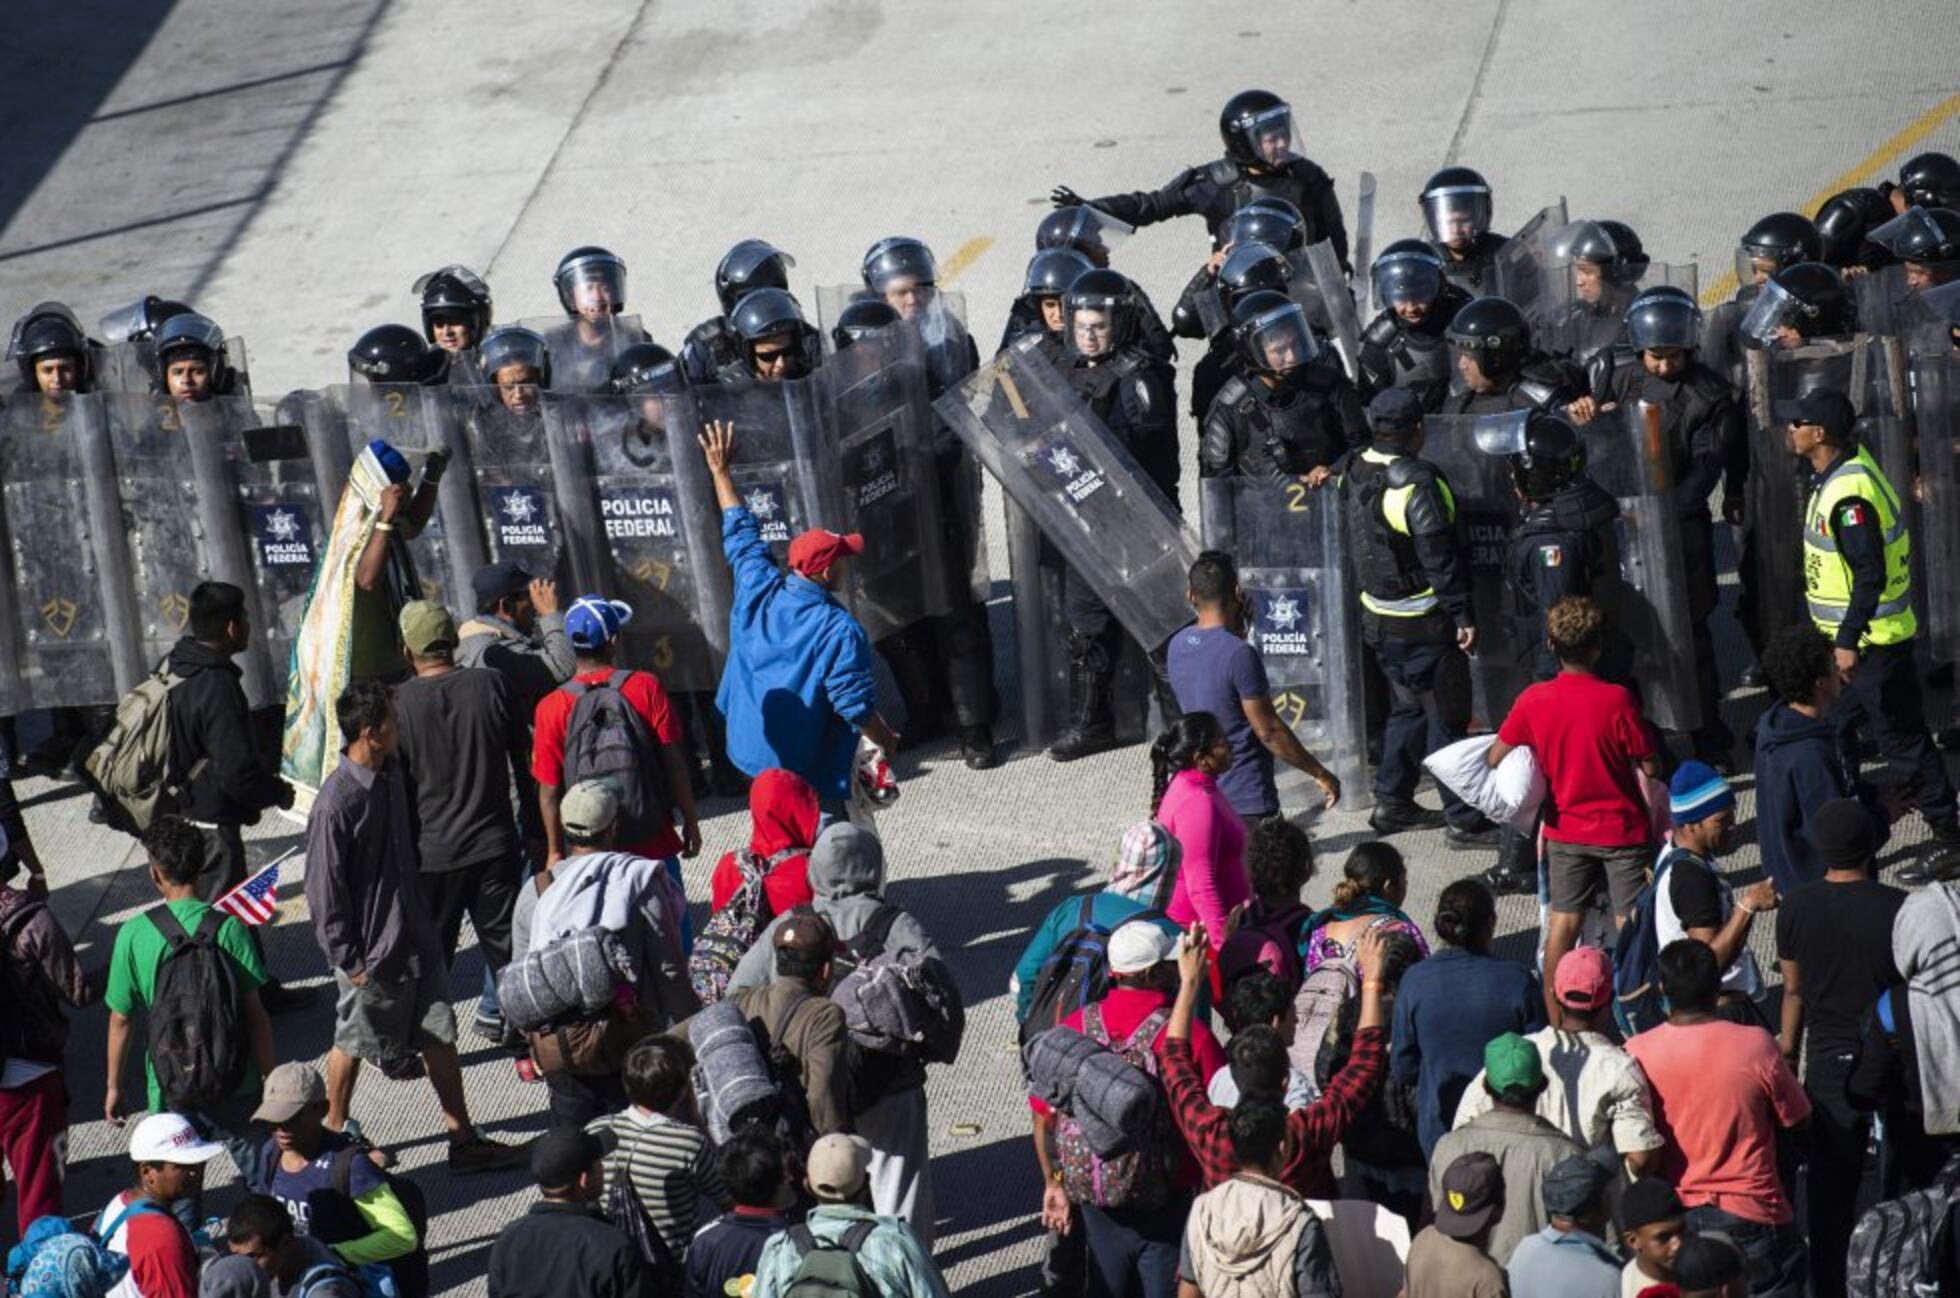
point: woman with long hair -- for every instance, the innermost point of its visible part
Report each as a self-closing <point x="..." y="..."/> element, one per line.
<point x="1185" y="764"/>
<point x="1370" y="895"/>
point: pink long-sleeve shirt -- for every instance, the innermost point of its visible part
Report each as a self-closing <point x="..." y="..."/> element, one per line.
<point x="1211" y="879"/>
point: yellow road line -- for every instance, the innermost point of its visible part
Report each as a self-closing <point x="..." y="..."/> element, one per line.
<point x="1914" y="131"/>
<point x="963" y="256"/>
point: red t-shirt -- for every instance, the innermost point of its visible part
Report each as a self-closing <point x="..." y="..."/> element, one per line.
<point x="642" y="691"/>
<point x="1721" y="1090"/>
<point x="1587" y="737"/>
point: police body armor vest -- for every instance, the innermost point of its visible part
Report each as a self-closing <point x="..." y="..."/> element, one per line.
<point x="1385" y="562"/>
<point x="1286" y="430"/>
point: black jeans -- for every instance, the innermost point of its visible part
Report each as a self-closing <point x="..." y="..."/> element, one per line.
<point x="1429" y="691"/>
<point x="1133" y="1252"/>
<point x="485" y="891"/>
<point x="1836" y="1172"/>
<point x="1886" y="695"/>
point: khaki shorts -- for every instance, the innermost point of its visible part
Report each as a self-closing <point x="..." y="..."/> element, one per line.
<point x="1578" y="872"/>
<point x="381" y="1022"/>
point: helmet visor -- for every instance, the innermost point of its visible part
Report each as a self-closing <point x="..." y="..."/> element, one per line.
<point x="1407" y="277"/>
<point x="513" y="345"/>
<point x="1775" y="309"/>
<point x="1458" y="214"/>
<point x="1280" y="340"/>
<point x="1500" y="434"/>
<point x="1096" y="324"/>
<point x="593" y="289"/>
<point x="1655" y="323"/>
<point x="1271" y="135"/>
<point x="1089" y="230"/>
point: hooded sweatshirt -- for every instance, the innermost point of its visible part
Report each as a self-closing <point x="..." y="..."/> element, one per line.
<point x="1926" y="948"/>
<point x="1251" y="1237"/>
<point x="1797" y="770"/>
<point x="783" y="812"/>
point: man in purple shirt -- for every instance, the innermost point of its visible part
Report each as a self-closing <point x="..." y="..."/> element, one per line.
<point x="1214" y="670"/>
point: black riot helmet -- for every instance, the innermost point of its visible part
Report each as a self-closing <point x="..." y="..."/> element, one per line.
<point x="1843" y="222"/>
<point x="1272" y="334"/>
<point x="768" y="313"/>
<point x="1610" y="245"/>
<point x="1780" y="239"/>
<point x="1257" y="127"/>
<point x="1088" y="230"/>
<point x="1922" y="236"/>
<point x="51" y="329"/>
<point x="1408" y="270"/>
<point x="140" y="320"/>
<point x="1551" y="458"/>
<point x="1456" y="206"/>
<point x="1931" y="180"/>
<point x="1823" y="307"/>
<point x="1051" y="271"/>
<point x="1494" y="333"/>
<point x="1269" y="220"/>
<point x="645" y="368"/>
<point x="393" y="353"/>
<point x="509" y="345"/>
<point x="1664" y="317"/>
<point x="750" y="264"/>
<point x="190" y="335"/>
<point x="865" y="316"/>
<point x="1099" y="315"/>
<point x="454" y="291"/>
<point x="592" y="276"/>
<point x="896" y="258"/>
<point x="1251" y="268"/>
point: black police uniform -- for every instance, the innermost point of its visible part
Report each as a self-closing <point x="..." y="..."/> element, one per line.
<point x="1024" y="318"/>
<point x="1308" y="420"/>
<point x="1474" y="274"/>
<point x="1542" y="383"/>
<point x="1396" y="354"/>
<point x="1706" y="439"/>
<point x="1564" y="546"/>
<point x="1218" y="189"/>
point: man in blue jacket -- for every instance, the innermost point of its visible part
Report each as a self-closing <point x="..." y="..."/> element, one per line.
<point x="798" y="689"/>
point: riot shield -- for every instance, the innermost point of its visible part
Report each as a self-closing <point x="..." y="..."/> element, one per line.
<point x="68" y="615"/>
<point x="208" y="494"/>
<point x="1775" y="497"/>
<point x="524" y="480"/>
<point x="1526" y="270"/>
<point x="860" y="430"/>
<point x="1364" y="245"/>
<point x="1630" y="458"/>
<point x="416" y="421"/>
<point x="942" y="321"/>
<point x="1588" y="316"/>
<point x="655" y="538"/>
<point x="1305" y="621"/>
<point x="1085" y="494"/>
<point x="582" y="352"/>
<point x="1343" y="327"/>
<point x="1936" y="389"/>
<point x="1487" y="515"/>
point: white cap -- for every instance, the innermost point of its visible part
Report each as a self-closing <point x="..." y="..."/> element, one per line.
<point x="170" y="1138"/>
<point x="1139" y="945"/>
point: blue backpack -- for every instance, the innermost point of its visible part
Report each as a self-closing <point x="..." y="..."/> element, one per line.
<point x="1636" y="960"/>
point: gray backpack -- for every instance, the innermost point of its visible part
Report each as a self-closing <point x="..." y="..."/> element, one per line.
<point x="607" y="739"/>
<point x="1897" y="1247"/>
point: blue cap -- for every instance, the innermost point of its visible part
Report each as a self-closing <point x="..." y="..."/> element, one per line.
<point x="1394" y="410"/>
<point x="594" y="621"/>
<point x="393" y="462"/>
<point x="1697" y="792"/>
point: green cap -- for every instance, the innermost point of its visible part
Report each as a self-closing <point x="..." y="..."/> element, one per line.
<point x="427" y="627"/>
<point x="1511" y="1064"/>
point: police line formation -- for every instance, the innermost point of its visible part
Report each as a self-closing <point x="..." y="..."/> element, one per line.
<point x="1409" y="455"/>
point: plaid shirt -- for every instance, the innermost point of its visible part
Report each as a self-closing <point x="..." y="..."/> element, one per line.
<point x="1316" y="1129"/>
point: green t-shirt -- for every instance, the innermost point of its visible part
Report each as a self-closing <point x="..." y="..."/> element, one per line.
<point x="138" y="953"/>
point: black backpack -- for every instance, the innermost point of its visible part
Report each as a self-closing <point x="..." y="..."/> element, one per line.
<point x="607" y="739"/>
<point x="1898" y="1247"/>
<point x="411" y="1269"/>
<point x="196" y="1019"/>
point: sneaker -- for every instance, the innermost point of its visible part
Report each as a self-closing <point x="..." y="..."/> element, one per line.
<point x="489" y="1026"/>
<point x="1508" y="883"/>
<point x="1939" y="867"/>
<point x="478" y="1153"/>
<point x="403" y="1068"/>
<point x="1393" y="815"/>
<point x="1482" y="839"/>
<point x="977" y="748"/>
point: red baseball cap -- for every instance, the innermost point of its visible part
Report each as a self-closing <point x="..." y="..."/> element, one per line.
<point x="813" y="552"/>
<point x="1584" y="980"/>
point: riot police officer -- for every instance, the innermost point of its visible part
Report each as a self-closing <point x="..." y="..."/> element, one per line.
<point x="191" y="361"/>
<point x="132" y="367"/>
<point x="1258" y="130"/>
<point x="776" y="342"/>
<point x="1605" y="262"/>
<point x="1777" y="241"/>
<point x="591" y="284"/>
<point x="1078" y="227"/>
<point x="55" y="357"/>
<point x="712" y="344"/>
<point x="1842" y="224"/>
<point x="518" y="361"/>
<point x="1407" y="345"/>
<point x="1926" y="180"/>
<point x="1926" y="244"/>
<point x="859" y="320"/>
<point x="1857" y="561"/>
<point x="455" y="315"/>
<point x="1038" y="309"/>
<point x="1292" y="412"/>
<point x="1801" y="304"/>
<point x="648" y="371"/>
<point x="1707" y="444"/>
<point x="1456" y="208"/>
<point x="1134" y="396"/>
<point x="1247" y="268"/>
<point x="1500" y="369"/>
<point x="393" y="353"/>
<point x="1410" y="562"/>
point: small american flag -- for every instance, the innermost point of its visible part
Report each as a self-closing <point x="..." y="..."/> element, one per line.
<point x="256" y="900"/>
